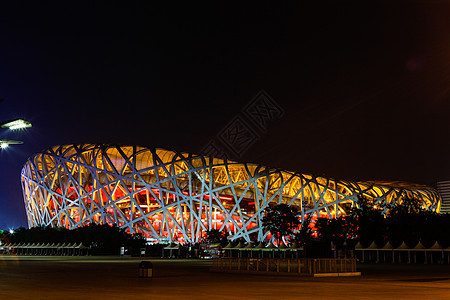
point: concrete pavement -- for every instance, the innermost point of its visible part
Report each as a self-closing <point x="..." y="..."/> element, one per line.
<point x="117" y="278"/>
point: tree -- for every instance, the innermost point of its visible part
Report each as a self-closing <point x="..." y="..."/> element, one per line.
<point x="281" y="220"/>
<point x="216" y="236"/>
<point x="403" y="221"/>
<point x="100" y="239"/>
<point x="336" y="230"/>
<point x="408" y="205"/>
<point x="305" y="234"/>
<point x="370" y="220"/>
<point x="443" y="234"/>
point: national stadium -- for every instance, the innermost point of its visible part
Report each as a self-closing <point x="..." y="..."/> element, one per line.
<point x="176" y="196"/>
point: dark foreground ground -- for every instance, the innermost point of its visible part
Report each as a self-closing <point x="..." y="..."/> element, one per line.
<point x="116" y="278"/>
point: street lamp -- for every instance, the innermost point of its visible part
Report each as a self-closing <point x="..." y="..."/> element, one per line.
<point x="5" y="143"/>
<point x="13" y="124"/>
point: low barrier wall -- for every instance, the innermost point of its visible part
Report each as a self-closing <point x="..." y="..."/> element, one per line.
<point x="299" y="266"/>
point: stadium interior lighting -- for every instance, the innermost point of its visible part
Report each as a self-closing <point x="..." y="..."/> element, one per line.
<point x="16" y="124"/>
<point x="177" y="196"/>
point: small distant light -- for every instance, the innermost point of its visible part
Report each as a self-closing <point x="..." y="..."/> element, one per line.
<point x="11" y="231"/>
<point x="3" y="145"/>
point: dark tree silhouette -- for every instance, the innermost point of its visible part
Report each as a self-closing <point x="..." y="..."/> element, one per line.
<point x="100" y="239"/>
<point x="336" y="230"/>
<point x="370" y="220"/>
<point x="281" y="220"/>
<point x="305" y="234"/>
<point x="216" y="236"/>
<point x="408" y="205"/>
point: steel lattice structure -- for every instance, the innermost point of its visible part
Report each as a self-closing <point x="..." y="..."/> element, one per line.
<point x="178" y="196"/>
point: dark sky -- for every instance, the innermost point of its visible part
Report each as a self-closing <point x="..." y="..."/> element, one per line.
<point x="365" y="86"/>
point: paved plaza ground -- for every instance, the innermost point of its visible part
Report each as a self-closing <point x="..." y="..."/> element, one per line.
<point x="117" y="278"/>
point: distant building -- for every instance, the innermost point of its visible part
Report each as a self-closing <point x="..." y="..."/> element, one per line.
<point x="443" y="188"/>
<point x="179" y="196"/>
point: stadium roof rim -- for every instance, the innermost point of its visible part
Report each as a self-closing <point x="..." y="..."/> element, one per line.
<point x="89" y="146"/>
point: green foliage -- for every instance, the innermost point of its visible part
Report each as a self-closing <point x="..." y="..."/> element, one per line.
<point x="281" y="220"/>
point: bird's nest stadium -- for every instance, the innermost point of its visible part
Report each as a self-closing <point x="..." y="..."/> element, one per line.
<point x="176" y="196"/>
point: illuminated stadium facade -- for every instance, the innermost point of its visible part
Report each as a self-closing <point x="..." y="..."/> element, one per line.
<point x="179" y="196"/>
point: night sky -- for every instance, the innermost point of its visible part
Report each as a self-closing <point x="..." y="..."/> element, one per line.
<point x="365" y="88"/>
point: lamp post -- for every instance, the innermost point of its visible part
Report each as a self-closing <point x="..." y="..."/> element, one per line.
<point x="13" y="124"/>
